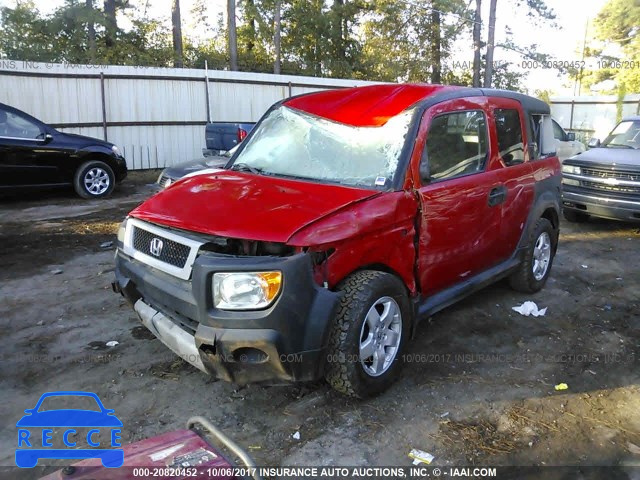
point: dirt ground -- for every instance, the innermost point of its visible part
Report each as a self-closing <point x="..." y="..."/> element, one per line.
<point x="477" y="388"/>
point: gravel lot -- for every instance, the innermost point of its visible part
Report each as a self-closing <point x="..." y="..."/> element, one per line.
<point x="477" y="389"/>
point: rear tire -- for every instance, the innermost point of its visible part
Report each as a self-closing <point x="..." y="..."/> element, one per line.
<point x="535" y="269"/>
<point x="94" y="179"/>
<point x="369" y="333"/>
<point x="575" y="217"/>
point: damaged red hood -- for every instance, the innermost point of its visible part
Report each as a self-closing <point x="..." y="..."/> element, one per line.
<point x="246" y="206"/>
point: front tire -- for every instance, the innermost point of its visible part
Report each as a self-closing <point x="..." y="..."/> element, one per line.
<point x="94" y="179"/>
<point x="535" y="269"/>
<point x="369" y="333"/>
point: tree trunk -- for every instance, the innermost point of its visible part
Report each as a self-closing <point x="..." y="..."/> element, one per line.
<point x="436" y="68"/>
<point x="488" y="69"/>
<point x="177" y="34"/>
<point x="477" y="23"/>
<point x="317" y="54"/>
<point x="91" y="31"/>
<point x="276" y="38"/>
<point x="338" y="34"/>
<point x="111" y="25"/>
<point x="251" y="20"/>
<point x="232" y="35"/>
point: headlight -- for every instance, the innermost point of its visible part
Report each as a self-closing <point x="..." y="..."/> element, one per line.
<point x="116" y="151"/>
<point x="571" y="169"/>
<point x="571" y="181"/>
<point x="122" y="230"/>
<point x="164" y="181"/>
<point x="245" y="290"/>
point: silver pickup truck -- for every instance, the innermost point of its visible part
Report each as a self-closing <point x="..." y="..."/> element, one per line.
<point x="605" y="180"/>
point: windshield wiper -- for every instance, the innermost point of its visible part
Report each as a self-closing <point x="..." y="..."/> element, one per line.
<point x="243" y="167"/>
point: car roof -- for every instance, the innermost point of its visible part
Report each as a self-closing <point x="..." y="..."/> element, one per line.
<point x="374" y="105"/>
<point x="631" y="118"/>
<point x="9" y="107"/>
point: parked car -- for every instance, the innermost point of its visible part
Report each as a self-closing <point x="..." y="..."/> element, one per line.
<point x="566" y="143"/>
<point x="33" y="154"/>
<point x="343" y="219"/>
<point x="605" y="180"/>
<point x="171" y="174"/>
<point x="223" y="136"/>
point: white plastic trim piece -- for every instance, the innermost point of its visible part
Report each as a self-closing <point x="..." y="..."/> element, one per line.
<point x="183" y="273"/>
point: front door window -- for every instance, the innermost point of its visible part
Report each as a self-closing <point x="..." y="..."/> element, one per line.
<point x="456" y="145"/>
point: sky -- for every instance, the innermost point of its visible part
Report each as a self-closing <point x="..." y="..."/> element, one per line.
<point x="563" y="42"/>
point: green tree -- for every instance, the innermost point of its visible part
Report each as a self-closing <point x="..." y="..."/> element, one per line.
<point x="255" y="35"/>
<point x="392" y="40"/>
<point x="404" y="41"/>
<point x="306" y="29"/>
<point x="25" y="34"/>
<point x="619" y="23"/>
<point x="76" y="34"/>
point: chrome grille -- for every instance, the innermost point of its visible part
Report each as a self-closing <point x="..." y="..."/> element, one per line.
<point x="611" y="188"/>
<point x="171" y="252"/>
<point x="599" y="173"/>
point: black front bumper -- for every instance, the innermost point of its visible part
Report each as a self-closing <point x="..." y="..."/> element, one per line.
<point x="285" y="342"/>
<point x="601" y="205"/>
<point x="121" y="169"/>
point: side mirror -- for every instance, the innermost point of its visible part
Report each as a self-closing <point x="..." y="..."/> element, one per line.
<point x="44" y="137"/>
<point x="571" y="137"/>
<point x="594" y="143"/>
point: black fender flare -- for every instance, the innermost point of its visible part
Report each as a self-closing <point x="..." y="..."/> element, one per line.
<point x="547" y="198"/>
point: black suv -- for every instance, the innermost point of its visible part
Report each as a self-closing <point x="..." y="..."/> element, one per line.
<point x="33" y="154"/>
<point x="605" y="180"/>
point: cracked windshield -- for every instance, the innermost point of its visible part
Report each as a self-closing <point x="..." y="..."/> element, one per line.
<point x="295" y="144"/>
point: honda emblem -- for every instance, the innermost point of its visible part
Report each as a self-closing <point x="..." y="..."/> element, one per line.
<point x="155" y="247"/>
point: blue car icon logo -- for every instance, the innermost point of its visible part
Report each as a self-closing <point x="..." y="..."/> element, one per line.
<point x="103" y="430"/>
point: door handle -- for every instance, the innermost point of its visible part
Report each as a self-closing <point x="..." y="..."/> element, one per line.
<point x="497" y="195"/>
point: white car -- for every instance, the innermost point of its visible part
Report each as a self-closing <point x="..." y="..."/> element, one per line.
<point x="566" y="143"/>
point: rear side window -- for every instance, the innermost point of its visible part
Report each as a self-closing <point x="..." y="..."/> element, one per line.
<point x="456" y="145"/>
<point x="509" y="130"/>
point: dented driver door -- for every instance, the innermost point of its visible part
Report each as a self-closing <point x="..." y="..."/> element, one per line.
<point x="460" y="194"/>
